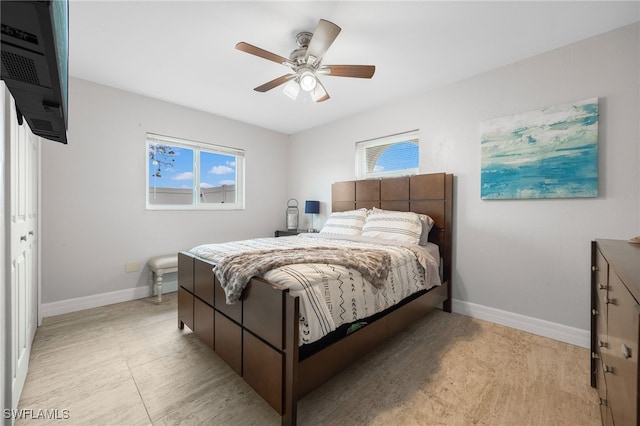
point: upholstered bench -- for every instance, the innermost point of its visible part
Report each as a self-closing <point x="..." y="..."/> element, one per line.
<point x="158" y="266"/>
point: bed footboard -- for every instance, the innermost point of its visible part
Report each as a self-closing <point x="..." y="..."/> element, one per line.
<point x="257" y="336"/>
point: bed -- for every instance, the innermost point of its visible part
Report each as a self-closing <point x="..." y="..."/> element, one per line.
<point x="260" y="335"/>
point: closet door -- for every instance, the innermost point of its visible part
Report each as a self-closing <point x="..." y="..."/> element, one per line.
<point x="21" y="189"/>
<point x="4" y="254"/>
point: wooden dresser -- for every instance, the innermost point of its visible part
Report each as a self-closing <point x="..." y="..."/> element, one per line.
<point x="615" y="329"/>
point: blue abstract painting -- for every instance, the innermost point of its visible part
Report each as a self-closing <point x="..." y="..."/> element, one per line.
<point x="548" y="153"/>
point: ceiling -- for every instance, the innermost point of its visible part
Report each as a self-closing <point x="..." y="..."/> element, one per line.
<point x="183" y="52"/>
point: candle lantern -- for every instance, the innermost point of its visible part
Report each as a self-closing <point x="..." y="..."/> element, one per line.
<point x="292" y="214"/>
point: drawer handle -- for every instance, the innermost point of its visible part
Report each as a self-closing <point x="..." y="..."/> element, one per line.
<point x="595" y="268"/>
<point x="602" y="402"/>
<point x="23" y="238"/>
<point x="594" y="312"/>
<point x="603" y="344"/>
<point x="608" y="369"/>
<point x="595" y="355"/>
<point x="611" y="301"/>
<point x="626" y="351"/>
<point x="602" y="287"/>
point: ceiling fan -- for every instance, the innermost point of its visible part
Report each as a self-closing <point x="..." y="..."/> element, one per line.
<point x="306" y="63"/>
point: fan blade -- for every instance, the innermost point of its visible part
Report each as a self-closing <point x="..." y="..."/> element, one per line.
<point x="319" y="93"/>
<point x="253" y="50"/>
<point x="274" y="83"/>
<point x="356" y="71"/>
<point x="324" y="35"/>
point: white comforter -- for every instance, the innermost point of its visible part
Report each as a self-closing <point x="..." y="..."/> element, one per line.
<point x="332" y="295"/>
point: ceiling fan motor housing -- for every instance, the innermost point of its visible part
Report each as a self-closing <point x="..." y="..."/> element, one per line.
<point x="303" y="38"/>
<point x="297" y="56"/>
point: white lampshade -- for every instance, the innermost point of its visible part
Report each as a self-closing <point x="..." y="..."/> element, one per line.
<point x="291" y="89"/>
<point x="307" y="81"/>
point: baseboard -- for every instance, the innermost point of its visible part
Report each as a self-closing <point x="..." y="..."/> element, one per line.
<point x="563" y="333"/>
<point x="93" y="301"/>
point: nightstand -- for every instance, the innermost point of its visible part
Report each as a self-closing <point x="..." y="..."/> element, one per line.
<point x="286" y="233"/>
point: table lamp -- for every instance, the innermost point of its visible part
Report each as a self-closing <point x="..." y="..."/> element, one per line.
<point x="312" y="208"/>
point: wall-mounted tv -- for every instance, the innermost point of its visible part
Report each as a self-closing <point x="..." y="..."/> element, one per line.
<point x="35" y="60"/>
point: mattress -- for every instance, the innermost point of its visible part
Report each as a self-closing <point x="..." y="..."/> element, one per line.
<point x="332" y="294"/>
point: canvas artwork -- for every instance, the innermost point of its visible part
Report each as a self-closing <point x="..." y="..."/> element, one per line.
<point x="548" y="153"/>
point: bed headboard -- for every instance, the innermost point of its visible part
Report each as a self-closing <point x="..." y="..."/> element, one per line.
<point x="430" y="194"/>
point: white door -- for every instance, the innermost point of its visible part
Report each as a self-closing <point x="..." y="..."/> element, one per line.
<point x="4" y="278"/>
<point x="21" y="151"/>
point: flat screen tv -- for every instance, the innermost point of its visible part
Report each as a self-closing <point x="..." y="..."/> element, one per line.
<point x="35" y="61"/>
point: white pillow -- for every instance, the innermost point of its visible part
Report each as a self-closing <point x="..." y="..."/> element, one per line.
<point x="427" y="224"/>
<point x="390" y="225"/>
<point x="345" y="223"/>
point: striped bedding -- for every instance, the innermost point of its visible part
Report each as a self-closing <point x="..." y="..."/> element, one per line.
<point x="332" y="295"/>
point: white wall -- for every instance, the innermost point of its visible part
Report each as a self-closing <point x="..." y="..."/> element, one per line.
<point x="93" y="191"/>
<point x="529" y="257"/>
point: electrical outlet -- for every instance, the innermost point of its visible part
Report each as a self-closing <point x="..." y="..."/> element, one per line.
<point x="132" y="267"/>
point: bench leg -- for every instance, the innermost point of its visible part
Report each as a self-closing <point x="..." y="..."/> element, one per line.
<point x="159" y="286"/>
<point x="150" y="283"/>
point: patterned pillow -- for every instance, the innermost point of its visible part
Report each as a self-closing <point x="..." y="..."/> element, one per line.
<point x="427" y="224"/>
<point x="345" y="223"/>
<point x="390" y="225"/>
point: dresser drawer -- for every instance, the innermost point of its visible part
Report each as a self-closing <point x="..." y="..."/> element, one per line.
<point x="602" y="272"/>
<point x="622" y="353"/>
<point x="601" y="382"/>
<point x="601" y="287"/>
<point x="605" y="409"/>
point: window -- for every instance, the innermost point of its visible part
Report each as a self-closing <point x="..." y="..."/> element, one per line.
<point x="393" y="155"/>
<point x="183" y="174"/>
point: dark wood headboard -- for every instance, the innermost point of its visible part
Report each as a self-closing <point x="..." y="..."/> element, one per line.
<point x="430" y="194"/>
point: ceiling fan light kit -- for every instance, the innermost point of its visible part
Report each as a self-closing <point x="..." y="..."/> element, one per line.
<point x="305" y="62"/>
<point x="307" y="81"/>
<point x="292" y="89"/>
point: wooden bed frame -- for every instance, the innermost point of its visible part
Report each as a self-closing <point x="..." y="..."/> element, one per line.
<point x="258" y="335"/>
